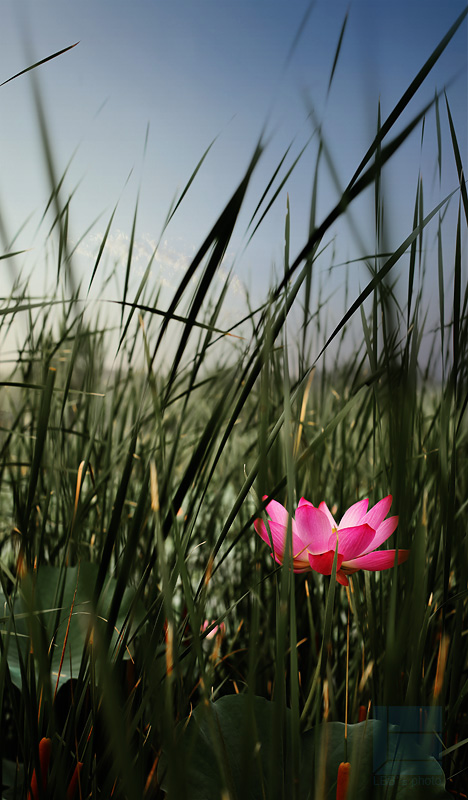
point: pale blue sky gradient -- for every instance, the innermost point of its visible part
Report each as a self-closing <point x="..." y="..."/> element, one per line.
<point x="198" y="70"/>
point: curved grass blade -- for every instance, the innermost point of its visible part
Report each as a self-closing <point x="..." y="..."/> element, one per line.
<point x="218" y="240"/>
<point x="38" y="63"/>
<point x="189" y="183"/>
<point x="409" y="94"/>
<point x="337" y="52"/>
<point x="384" y="271"/>
<point x="458" y="161"/>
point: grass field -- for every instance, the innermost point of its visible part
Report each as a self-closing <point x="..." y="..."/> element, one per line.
<point x="150" y="645"/>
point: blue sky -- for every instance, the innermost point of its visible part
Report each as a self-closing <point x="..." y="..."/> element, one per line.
<point x="194" y="71"/>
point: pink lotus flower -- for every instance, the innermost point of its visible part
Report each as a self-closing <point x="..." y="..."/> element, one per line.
<point x="315" y="535"/>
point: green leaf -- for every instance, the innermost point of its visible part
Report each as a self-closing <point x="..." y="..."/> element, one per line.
<point x="229" y="744"/>
<point x="39" y="602"/>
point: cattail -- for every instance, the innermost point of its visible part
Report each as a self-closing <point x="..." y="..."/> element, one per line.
<point x="441" y="663"/>
<point x="169" y="636"/>
<point x="21" y="565"/>
<point x="73" y="785"/>
<point x="342" y="780"/>
<point x="362" y="714"/>
<point x="45" y="747"/>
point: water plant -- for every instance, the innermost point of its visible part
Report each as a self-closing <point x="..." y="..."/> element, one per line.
<point x="316" y="536"/>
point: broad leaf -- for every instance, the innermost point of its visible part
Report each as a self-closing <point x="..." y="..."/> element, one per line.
<point x="47" y="617"/>
<point x="230" y="745"/>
